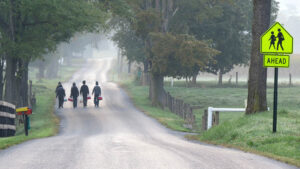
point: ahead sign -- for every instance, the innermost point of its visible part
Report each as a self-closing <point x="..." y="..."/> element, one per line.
<point x="276" y="40"/>
<point x="277" y="61"/>
<point x="274" y="44"/>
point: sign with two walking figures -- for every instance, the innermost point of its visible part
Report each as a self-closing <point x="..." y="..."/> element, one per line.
<point x="275" y="43"/>
<point x="276" y="40"/>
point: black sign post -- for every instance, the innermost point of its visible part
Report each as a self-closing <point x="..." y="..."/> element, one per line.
<point x="275" y="44"/>
<point x="275" y="100"/>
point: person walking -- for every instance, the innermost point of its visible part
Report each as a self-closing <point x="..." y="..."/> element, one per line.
<point x="273" y="40"/>
<point x="280" y="39"/>
<point x="74" y="94"/>
<point x="58" y="85"/>
<point x="84" y="91"/>
<point x="60" y="94"/>
<point x="97" y="93"/>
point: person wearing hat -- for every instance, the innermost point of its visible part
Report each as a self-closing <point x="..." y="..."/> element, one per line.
<point x="74" y="94"/>
<point x="280" y="39"/>
<point x="58" y="85"/>
<point x="84" y="91"/>
<point x="60" y="94"/>
<point x="97" y="93"/>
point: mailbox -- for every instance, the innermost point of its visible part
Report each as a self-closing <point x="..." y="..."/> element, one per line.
<point x="25" y="112"/>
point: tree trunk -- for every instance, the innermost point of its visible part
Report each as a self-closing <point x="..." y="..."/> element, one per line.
<point x="146" y="74"/>
<point x="129" y="67"/>
<point x="164" y="12"/>
<point x="52" y="69"/>
<point x="24" y="83"/>
<point x="1" y="77"/>
<point x="220" y="77"/>
<point x="148" y="4"/>
<point x="18" y="80"/>
<point x="11" y="62"/>
<point x="157" y="91"/>
<point x="121" y="64"/>
<point x="157" y="5"/>
<point x="257" y="83"/>
<point x="10" y="83"/>
<point x="41" y="73"/>
<point x="194" y="80"/>
<point x="186" y="82"/>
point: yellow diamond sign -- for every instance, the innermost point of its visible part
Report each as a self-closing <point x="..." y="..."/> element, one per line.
<point x="276" y="40"/>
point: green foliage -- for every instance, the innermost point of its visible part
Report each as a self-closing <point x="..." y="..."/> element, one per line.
<point x="178" y="55"/>
<point x="230" y="33"/>
<point x="43" y="121"/>
<point x="131" y="46"/>
<point x="39" y="25"/>
<point x="146" y="22"/>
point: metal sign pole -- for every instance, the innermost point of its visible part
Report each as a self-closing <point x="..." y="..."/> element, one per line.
<point x="275" y="100"/>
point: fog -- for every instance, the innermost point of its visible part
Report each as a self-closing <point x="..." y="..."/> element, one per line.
<point x="289" y="16"/>
<point x="90" y="45"/>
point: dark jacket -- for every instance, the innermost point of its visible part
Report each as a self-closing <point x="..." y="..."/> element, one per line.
<point x="84" y="90"/>
<point x="74" y="92"/>
<point x="58" y="86"/>
<point x="60" y="92"/>
<point x="97" y="91"/>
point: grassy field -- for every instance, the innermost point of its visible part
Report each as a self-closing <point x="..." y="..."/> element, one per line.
<point x="249" y="133"/>
<point x="43" y="121"/>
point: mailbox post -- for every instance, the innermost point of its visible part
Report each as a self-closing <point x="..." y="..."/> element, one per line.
<point x="25" y="112"/>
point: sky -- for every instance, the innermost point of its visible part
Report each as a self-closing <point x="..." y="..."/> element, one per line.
<point x="288" y="8"/>
<point x="289" y="16"/>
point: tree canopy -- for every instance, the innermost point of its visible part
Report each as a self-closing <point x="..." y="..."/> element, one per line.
<point x="31" y="28"/>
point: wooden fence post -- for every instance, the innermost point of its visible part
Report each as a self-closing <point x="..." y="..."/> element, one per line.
<point x="216" y="118"/>
<point x="236" y="78"/>
<point x="204" y="120"/>
<point x="290" y="80"/>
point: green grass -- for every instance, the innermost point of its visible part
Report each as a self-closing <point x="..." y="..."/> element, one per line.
<point x="43" y="121"/>
<point x="251" y="133"/>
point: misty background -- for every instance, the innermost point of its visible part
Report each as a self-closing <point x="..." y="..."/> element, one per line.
<point x="289" y="16"/>
<point x="93" y="45"/>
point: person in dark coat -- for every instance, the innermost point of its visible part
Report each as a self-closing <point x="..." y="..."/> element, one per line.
<point x="74" y="94"/>
<point x="58" y="85"/>
<point x="84" y="91"/>
<point x="60" y="94"/>
<point x="97" y="93"/>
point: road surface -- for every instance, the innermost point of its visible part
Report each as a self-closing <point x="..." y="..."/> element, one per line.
<point x="118" y="136"/>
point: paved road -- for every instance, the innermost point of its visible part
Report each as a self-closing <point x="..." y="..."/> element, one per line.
<point x="118" y="136"/>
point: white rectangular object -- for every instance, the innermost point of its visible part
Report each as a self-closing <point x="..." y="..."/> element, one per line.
<point x="210" y="111"/>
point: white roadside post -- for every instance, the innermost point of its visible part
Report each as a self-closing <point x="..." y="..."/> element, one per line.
<point x="210" y="111"/>
<point x="209" y="118"/>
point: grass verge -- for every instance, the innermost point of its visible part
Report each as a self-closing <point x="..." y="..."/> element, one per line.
<point x="43" y="121"/>
<point x="139" y="96"/>
<point x="251" y="133"/>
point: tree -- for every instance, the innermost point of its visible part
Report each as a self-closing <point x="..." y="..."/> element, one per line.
<point x="31" y="28"/>
<point x="175" y="56"/>
<point x="168" y="54"/>
<point x="257" y="83"/>
<point x="130" y="44"/>
<point x="227" y="24"/>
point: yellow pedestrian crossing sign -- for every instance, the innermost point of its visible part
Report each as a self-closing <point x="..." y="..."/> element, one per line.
<point x="276" y="40"/>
